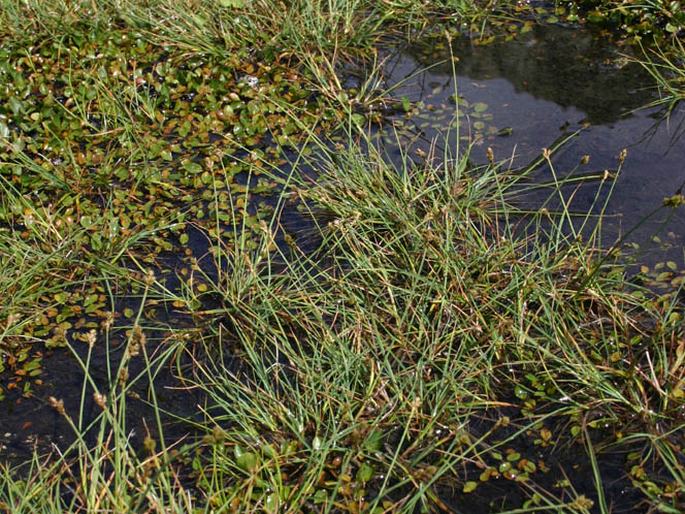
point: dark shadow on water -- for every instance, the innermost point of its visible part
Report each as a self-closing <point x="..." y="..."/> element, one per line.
<point x="568" y="67"/>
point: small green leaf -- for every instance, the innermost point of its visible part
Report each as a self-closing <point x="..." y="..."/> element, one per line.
<point x="358" y="119"/>
<point x="271" y="503"/>
<point x="373" y="441"/>
<point x="470" y="486"/>
<point x="663" y="276"/>
<point x="365" y="473"/>
<point x="513" y="456"/>
<point x="529" y="466"/>
<point x="192" y="167"/>
<point x="247" y="461"/>
<point x="595" y="17"/>
<point x="236" y="4"/>
<point x="16" y="105"/>
<point x="520" y="393"/>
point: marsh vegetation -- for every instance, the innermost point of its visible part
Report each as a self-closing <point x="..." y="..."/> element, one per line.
<point x="241" y="272"/>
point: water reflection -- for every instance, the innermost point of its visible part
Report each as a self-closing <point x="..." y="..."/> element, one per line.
<point x="521" y="96"/>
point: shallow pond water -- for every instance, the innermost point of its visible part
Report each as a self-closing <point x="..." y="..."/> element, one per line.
<point x="30" y="424"/>
<point x="518" y="97"/>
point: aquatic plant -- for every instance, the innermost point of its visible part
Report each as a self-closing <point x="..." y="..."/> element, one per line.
<point x="415" y="355"/>
<point x="420" y="340"/>
<point x="645" y="18"/>
<point x="667" y="66"/>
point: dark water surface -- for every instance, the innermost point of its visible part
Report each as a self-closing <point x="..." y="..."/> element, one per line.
<point x="30" y="424"/>
<point x="521" y="96"/>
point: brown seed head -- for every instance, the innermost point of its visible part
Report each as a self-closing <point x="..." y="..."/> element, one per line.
<point x="58" y="405"/>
